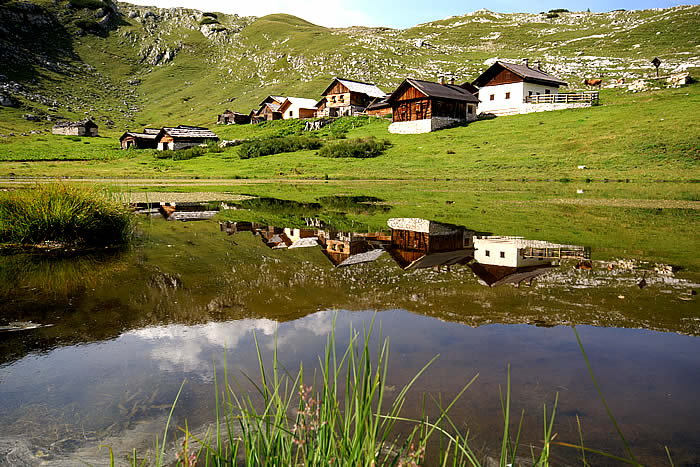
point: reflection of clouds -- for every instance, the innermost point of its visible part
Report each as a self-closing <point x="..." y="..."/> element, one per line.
<point x="182" y="348"/>
<point x="188" y="348"/>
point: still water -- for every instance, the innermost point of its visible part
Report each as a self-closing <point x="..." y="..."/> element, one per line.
<point x="94" y="347"/>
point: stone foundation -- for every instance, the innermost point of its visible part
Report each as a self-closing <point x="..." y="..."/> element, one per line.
<point x="423" y="126"/>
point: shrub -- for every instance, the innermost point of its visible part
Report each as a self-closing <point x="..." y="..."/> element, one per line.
<point x="63" y="213"/>
<point x="276" y="145"/>
<point x="189" y="153"/>
<point x="552" y="15"/>
<point x="559" y="10"/>
<point x="360" y="148"/>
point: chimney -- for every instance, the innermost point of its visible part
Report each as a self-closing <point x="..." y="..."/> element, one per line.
<point x="452" y="80"/>
<point x="537" y="65"/>
<point x="525" y="62"/>
<point x="441" y="80"/>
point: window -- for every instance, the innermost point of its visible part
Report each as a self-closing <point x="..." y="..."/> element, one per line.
<point x="487" y="253"/>
<point x="546" y="91"/>
<point x="507" y="95"/>
<point x="291" y="113"/>
<point x="332" y="98"/>
<point x="470" y="109"/>
<point x="503" y="254"/>
<point x="529" y="93"/>
<point x="492" y="97"/>
<point x="341" y="98"/>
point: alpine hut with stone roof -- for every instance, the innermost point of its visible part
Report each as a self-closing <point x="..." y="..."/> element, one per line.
<point x="423" y="106"/>
<point x="345" y="97"/>
<point x="183" y="136"/>
<point x="230" y="118"/>
<point x="82" y="128"/>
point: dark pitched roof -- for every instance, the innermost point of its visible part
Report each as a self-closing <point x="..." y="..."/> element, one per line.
<point x="87" y="122"/>
<point x="147" y="136"/>
<point x="188" y="132"/>
<point x="357" y="86"/>
<point x="151" y="131"/>
<point x="528" y="74"/>
<point x="378" y="103"/>
<point x="437" y="90"/>
<point x="277" y="99"/>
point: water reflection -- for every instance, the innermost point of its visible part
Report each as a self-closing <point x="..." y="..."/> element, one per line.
<point x="416" y="243"/>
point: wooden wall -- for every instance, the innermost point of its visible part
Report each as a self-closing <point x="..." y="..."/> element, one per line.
<point x="504" y="77"/>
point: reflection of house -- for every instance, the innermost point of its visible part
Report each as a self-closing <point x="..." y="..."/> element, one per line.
<point x="184" y="136"/>
<point x="228" y="118"/>
<point x="423" y="106"/>
<point x="518" y="252"/>
<point x="346" y="248"/>
<point x="347" y="97"/>
<point x="504" y="88"/>
<point x="145" y="140"/>
<point x="82" y="128"/>
<point x="297" y="107"/>
<point x="493" y="276"/>
<point x="420" y="243"/>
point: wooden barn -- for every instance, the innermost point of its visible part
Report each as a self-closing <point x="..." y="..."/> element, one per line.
<point x="145" y="140"/>
<point x="82" y="128"/>
<point x="230" y="118"/>
<point x="183" y="136"/>
<point x="422" y="106"/>
<point x="379" y="107"/>
<point x="420" y="243"/>
<point x="298" y="107"/>
<point x="347" y="97"/>
<point x="269" y="109"/>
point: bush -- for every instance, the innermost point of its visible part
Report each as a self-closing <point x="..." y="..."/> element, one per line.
<point x="189" y="153"/>
<point x="357" y="148"/>
<point x="276" y="145"/>
<point x="552" y="15"/>
<point x="63" y="213"/>
<point x="559" y="10"/>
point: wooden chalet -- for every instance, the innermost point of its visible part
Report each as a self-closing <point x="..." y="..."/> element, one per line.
<point x="347" y="97"/>
<point x="422" y="106"/>
<point x="145" y="140"/>
<point x="81" y="128"/>
<point x="504" y="88"/>
<point x="230" y="118"/>
<point x="420" y="243"/>
<point x="298" y="107"/>
<point x="269" y="109"/>
<point x="183" y="136"/>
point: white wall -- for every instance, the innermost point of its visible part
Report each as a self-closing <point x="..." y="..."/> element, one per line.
<point x="489" y="251"/>
<point x="518" y="92"/>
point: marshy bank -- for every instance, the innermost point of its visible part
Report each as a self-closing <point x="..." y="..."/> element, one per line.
<point x="63" y="215"/>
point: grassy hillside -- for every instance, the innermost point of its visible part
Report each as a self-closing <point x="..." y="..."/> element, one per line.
<point x="129" y="66"/>
<point x="646" y="136"/>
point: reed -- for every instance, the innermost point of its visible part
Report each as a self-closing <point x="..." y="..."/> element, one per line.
<point x="65" y="214"/>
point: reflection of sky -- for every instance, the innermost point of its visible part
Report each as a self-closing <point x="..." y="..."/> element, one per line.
<point x="649" y="378"/>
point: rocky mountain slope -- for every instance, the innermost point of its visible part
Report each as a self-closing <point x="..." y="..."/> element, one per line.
<point x="128" y="65"/>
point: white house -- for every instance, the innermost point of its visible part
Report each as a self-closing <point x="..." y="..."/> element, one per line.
<point x="517" y="252"/>
<point x="504" y="88"/>
<point x="298" y="107"/>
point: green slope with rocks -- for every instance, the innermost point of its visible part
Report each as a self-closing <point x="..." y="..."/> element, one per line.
<point x="129" y="66"/>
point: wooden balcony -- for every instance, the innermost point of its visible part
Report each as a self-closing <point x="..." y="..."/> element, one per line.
<point x="564" y="98"/>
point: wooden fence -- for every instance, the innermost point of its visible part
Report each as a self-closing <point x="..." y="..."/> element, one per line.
<point x="564" y="98"/>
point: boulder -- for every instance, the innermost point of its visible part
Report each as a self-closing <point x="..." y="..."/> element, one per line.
<point x="8" y="101"/>
<point x="679" y="79"/>
<point x="638" y="85"/>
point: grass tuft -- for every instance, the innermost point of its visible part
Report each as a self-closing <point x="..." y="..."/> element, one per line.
<point x="62" y="213"/>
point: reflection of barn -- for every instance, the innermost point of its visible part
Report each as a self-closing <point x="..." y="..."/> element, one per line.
<point x="145" y="140"/>
<point x="420" y="243"/>
<point x="345" y="248"/>
<point x="511" y="260"/>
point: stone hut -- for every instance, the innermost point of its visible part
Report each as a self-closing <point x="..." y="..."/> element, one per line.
<point x="145" y="140"/>
<point x="230" y="118"/>
<point x="82" y="128"/>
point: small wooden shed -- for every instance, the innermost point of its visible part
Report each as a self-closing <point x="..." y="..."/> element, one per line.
<point x="230" y="118"/>
<point x="183" y="136"/>
<point x="135" y="140"/>
<point x="82" y="128"/>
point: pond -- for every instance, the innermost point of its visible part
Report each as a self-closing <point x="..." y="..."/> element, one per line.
<point x="94" y="347"/>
